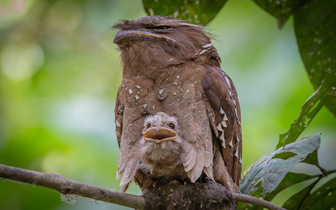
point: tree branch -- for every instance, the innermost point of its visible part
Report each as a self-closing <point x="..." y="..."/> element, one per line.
<point x="255" y="201"/>
<point x="66" y="186"/>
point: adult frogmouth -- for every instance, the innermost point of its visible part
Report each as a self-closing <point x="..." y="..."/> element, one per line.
<point x="171" y="66"/>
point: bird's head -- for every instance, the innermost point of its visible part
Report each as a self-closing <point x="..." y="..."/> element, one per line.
<point x="159" y="41"/>
<point x="160" y="128"/>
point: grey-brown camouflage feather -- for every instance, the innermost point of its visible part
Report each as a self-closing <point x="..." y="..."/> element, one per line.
<point x="177" y="72"/>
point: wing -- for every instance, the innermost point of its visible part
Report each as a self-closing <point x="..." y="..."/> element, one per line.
<point x="129" y="123"/>
<point x="131" y="168"/>
<point x="222" y="96"/>
<point x="118" y="113"/>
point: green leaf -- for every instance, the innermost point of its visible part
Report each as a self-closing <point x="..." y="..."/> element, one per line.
<point x="324" y="197"/>
<point x="312" y="159"/>
<point x="310" y="108"/>
<point x="289" y="180"/>
<point x="296" y="201"/>
<point x="321" y="198"/>
<point x="281" y="10"/>
<point x="284" y="155"/>
<point x="197" y="12"/>
<point x="315" y="28"/>
<point x="270" y="171"/>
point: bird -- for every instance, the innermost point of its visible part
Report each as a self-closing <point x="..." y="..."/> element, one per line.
<point x="171" y="66"/>
<point x="160" y="152"/>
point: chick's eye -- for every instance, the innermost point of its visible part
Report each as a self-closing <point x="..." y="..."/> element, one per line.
<point x="148" y="125"/>
<point x="162" y="27"/>
<point x="171" y="125"/>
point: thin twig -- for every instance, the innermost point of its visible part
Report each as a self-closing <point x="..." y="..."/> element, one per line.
<point x="66" y="186"/>
<point x="256" y="201"/>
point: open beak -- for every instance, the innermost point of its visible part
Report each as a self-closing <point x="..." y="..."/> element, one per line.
<point x="159" y="135"/>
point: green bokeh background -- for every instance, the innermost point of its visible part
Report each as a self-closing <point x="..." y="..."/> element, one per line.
<point x="59" y="75"/>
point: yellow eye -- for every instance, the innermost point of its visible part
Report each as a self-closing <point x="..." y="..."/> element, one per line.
<point x="172" y="125"/>
<point x="148" y="125"/>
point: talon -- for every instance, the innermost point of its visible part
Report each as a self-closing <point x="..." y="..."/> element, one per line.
<point x="174" y="182"/>
<point x="155" y="184"/>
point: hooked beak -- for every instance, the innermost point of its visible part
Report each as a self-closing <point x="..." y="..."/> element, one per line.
<point x="123" y="36"/>
<point x="159" y="135"/>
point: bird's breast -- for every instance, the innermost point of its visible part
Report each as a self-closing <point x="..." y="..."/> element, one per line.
<point x="163" y="161"/>
<point x="179" y="94"/>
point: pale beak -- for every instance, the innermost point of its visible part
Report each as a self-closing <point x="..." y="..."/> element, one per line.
<point x="159" y="135"/>
<point x="123" y="36"/>
<point x="126" y="34"/>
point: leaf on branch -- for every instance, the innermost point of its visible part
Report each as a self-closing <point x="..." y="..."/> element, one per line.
<point x="315" y="29"/>
<point x="295" y="202"/>
<point x="321" y="198"/>
<point x="284" y="155"/>
<point x="197" y="12"/>
<point x="309" y="109"/>
<point x="281" y="10"/>
<point x="270" y="170"/>
<point x="312" y="159"/>
<point x="289" y="180"/>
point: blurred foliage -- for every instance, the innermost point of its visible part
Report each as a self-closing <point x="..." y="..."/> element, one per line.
<point x="281" y="10"/>
<point x="309" y="109"/>
<point x="315" y="28"/>
<point x="59" y="74"/>
<point x="197" y="12"/>
<point x="322" y="198"/>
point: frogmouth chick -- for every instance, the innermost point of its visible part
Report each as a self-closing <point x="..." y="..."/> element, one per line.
<point x="161" y="153"/>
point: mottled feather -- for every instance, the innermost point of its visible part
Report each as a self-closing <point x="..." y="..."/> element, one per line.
<point x="171" y="66"/>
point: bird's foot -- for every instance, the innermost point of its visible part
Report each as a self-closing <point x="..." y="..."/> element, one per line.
<point x="155" y="184"/>
<point x="174" y="182"/>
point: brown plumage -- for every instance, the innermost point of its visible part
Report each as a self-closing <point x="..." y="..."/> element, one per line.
<point x="161" y="152"/>
<point x="171" y="66"/>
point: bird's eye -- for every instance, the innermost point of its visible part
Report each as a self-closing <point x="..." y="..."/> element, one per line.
<point x="172" y="125"/>
<point x="148" y="125"/>
<point x="162" y="27"/>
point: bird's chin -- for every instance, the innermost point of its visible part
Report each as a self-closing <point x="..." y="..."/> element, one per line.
<point x="159" y="141"/>
<point x="159" y="135"/>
